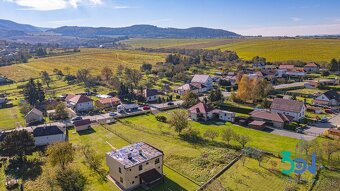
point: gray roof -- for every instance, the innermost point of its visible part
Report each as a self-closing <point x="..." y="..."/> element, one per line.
<point x="287" y="105"/>
<point x="47" y="130"/>
<point x="139" y="152"/>
<point x="200" y="78"/>
<point x="332" y="94"/>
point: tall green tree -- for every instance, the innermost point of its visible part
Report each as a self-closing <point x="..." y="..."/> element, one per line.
<point x="70" y="180"/>
<point x="17" y="143"/>
<point x="45" y="78"/>
<point x="179" y="120"/>
<point x="190" y="99"/>
<point x="33" y="93"/>
<point x="60" y="154"/>
<point x="334" y="65"/>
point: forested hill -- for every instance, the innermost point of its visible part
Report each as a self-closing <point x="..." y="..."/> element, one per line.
<point x="145" y="31"/>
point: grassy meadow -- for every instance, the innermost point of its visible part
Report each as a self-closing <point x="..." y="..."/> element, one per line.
<point x="93" y="59"/>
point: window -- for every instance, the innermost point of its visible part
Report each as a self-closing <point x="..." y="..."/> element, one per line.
<point x="140" y="167"/>
<point x="119" y="170"/>
<point x="157" y="161"/>
<point x="121" y="180"/>
<point x="133" y="182"/>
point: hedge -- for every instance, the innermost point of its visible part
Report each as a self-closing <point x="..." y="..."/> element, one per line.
<point x="235" y="109"/>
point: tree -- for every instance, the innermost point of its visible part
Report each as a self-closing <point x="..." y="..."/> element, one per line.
<point x="40" y="92"/>
<point x="211" y="134"/>
<point x="93" y="160"/>
<point x="60" y="154"/>
<point x="106" y="73"/>
<point x="60" y="111"/>
<point x="330" y="147"/>
<point x="83" y="75"/>
<point x="45" y="78"/>
<point x="190" y="99"/>
<point x="259" y="61"/>
<point x="24" y="107"/>
<point x="215" y="95"/>
<point x="132" y="76"/>
<point x="244" y="89"/>
<point x="30" y="92"/>
<point x="227" y="135"/>
<point x="334" y="65"/>
<point x="17" y="143"/>
<point x="146" y="67"/>
<point x="179" y="120"/>
<point x="242" y="139"/>
<point x="258" y="155"/>
<point x="70" y="180"/>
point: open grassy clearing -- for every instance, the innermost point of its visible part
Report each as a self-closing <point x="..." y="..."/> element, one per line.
<point x="93" y="59"/>
<point x="318" y="50"/>
<point x="251" y="176"/>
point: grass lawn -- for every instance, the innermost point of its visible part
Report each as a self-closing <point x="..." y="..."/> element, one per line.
<point x="9" y="117"/>
<point x="328" y="181"/>
<point x="318" y="50"/>
<point x="307" y="91"/>
<point x="251" y="176"/>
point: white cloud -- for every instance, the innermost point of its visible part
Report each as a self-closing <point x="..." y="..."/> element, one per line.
<point x="318" y="29"/>
<point x="296" y="19"/>
<point x="49" y="5"/>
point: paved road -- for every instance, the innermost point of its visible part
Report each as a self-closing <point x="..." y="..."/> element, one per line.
<point x="292" y="85"/>
<point x="289" y="134"/>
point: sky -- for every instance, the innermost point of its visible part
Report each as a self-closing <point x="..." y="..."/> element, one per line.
<point x="246" y="17"/>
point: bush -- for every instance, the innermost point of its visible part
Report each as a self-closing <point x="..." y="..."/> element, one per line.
<point x="192" y="135"/>
<point x="325" y="73"/>
<point x="161" y="118"/>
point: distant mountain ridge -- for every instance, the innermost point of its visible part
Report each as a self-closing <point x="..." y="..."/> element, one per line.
<point x="7" y="25"/>
<point x="145" y="31"/>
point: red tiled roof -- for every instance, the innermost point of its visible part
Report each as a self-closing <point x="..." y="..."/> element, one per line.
<point x="82" y="122"/>
<point x="109" y="100"/>
<point x="200" y="108"/>
<point x="311" y="64"/>
<point x="69" y="96"/>
<point x="269" y="115"/>
<point x="80" y="99"/>
<point x="287" y="105"/>
<point x="286" y="66"/>
<point x="257" y="123"/>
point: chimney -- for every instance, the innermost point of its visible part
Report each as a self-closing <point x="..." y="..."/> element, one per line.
<point x="141" y="152"/>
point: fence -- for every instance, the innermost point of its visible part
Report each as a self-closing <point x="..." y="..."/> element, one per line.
<point x="205" y="185"/>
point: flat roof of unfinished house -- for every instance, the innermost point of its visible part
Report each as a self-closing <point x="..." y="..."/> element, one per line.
<point x="135" y="154"/>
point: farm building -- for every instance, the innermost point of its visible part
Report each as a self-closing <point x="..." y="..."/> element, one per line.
<point x="138" y="164"/>
<point x="83" y="124"/>
<point x="34" y="116"/>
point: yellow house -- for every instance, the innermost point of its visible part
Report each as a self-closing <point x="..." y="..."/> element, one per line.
<point x="138" y="164"/>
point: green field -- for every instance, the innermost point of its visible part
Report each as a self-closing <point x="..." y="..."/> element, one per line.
<point x="318" y="50"/>
<point x="328" y="181"/>
<point x="93" y="59"/>
<point x="251" y="176"/>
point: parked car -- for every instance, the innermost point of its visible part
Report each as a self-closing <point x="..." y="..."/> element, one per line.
<point x="77" y="118"/>
<point x="146" y="107"/>
<point x="299" y="130"/>
<point x="324" y="120"/>
<point x="171" y="103"/>
<point x="112" y="114"/>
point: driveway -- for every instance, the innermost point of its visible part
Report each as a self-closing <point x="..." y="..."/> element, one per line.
<point x="335" y="121"/>
<point x="289" y="134"/>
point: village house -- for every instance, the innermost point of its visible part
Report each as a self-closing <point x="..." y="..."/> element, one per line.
<point x="291" y="108"/>
<point x="261" y="118"/>
<point x="331" y="97"/>
<point x="290" y="70"/>
<point x="138" y="164"/>
<point x="203" y="112"/>
<point x="311" y="67"/>
<point x="206" y="80"/>
<point x="34" y="116"/>
<point x="194" y="87"/>
<point x="107" y="102"/>
<point x="79" y="103"/>
<point x="44" y="135"/>
<point x="151" y="95"/>
<point x="83" y="124"/>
